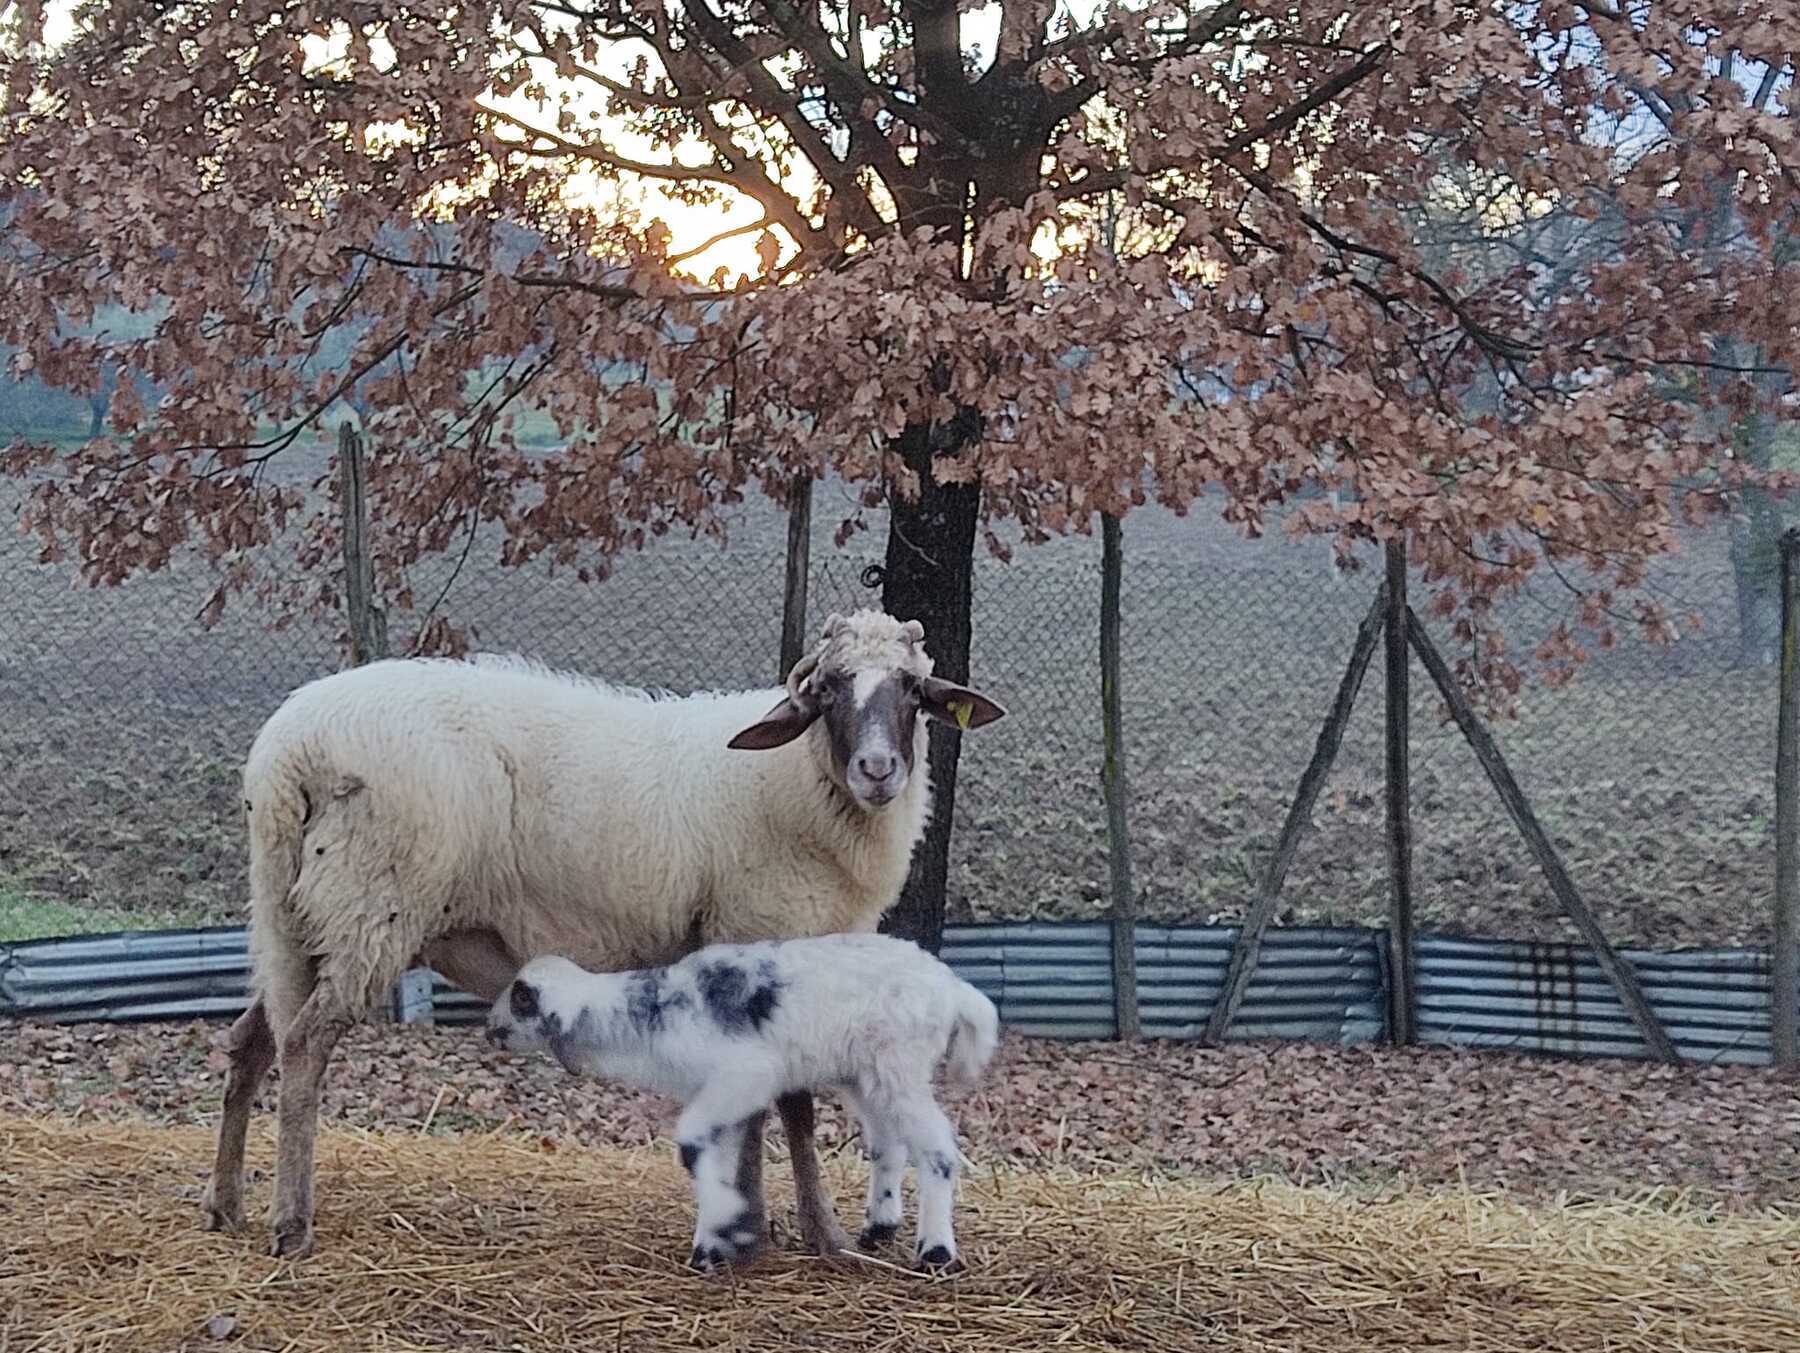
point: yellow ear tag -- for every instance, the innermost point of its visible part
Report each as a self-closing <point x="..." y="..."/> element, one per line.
<point x="963" y="711"/>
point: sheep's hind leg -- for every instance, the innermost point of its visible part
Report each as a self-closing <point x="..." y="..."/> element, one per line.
<point x="306" y="1050"/>
<point x="819" y="1228"/>
<point x="251" y="1047"/>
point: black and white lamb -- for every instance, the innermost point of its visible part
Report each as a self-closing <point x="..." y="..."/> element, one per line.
<point x="731" y="1027"/>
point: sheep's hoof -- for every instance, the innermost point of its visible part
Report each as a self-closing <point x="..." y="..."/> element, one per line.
<point x="292" y="1238"/>
<point x="825" y="1240"/>
<point x="876" y="1234"/>
<point x="222" y="1213"/>
<point x="938" y="1259"/>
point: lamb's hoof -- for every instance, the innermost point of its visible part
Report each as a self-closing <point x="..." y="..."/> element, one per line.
<point x="876" y="1234"/>
<point x="938" y="1259"/>
<point x="292" y="1238"/>
<point x="707" y="1258"/>
<point x="737" y="1243"/>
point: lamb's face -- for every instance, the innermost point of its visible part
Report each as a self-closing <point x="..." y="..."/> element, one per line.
<point x="868" y="682"/>
<point x="530" y="1014"/>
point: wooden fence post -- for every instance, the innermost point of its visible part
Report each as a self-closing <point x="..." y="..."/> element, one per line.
<point x="1623" y="979"/>
<point x="367" y="621"/>
<point x="1784" y="968"/>
<point x="799" y="562"/>
<point x="1244" y="953"/>
<point x="410" y="1002"/>
<point x="1113" y="786"/>
<point x="1403" y="995"/>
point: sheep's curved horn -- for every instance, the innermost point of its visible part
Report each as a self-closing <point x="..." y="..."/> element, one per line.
<point x="808" y="664"/>
<point x="833" y="623"/>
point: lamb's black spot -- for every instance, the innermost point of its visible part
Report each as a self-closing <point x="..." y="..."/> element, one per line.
<point x="689" y="1154"/>
<point x="941" y="1165"/>
<point x="524" y="1000"/>
<point x="393" y="916"/>
<point x="648" y="1002"/>
<point x="318" y="850"/>
<point x="887" y="1193"/>
<point x="877" y="1234"/>
<point x="563" y="1042"/>
<point x="247" y="807"/>
<point x="735" y="1001"/>
<point x="938" y="1256"/>
<point x="739" y="1232"/>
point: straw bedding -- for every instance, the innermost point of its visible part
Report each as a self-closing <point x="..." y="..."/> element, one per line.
<point x="507" y="1242"/>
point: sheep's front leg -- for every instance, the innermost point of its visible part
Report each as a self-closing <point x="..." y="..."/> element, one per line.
<point x="819" y="1227"/>
<point x="750" y="1174"/>
<point x="932" y="1142"/>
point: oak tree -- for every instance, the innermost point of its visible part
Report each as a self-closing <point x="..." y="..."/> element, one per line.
<point x="1015" y="263"/>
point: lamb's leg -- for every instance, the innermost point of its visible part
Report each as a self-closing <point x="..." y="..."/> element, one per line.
<point x="819" y="1228"/>
<point x="709" y="1134"/>
<point x="887" y="1167"/>
<point x="251" y="1047"/>
<point x="932" y="1142"/>
<point x="724" y="1231"/>
<point x="305" y="1053"/>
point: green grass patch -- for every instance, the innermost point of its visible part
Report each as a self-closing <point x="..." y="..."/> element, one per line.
<point x="24" y="916"/>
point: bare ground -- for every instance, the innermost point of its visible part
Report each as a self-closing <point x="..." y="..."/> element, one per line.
<point x="122" y="725"/>
<point x="1538" y="1127"/>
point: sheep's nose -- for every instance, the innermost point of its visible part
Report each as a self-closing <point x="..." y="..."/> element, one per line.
<point x="877" y="766"/>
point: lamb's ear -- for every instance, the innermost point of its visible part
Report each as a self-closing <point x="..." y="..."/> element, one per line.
<point x="956" y="705"/>
<point x="780" y="726"/>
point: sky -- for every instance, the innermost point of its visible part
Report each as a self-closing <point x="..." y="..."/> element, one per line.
<point x="689" y="226"/>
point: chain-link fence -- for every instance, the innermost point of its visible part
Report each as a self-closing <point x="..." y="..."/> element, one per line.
<point x="123" y="724"/>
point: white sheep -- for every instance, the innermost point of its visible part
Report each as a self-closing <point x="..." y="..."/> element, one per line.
<point x="731" y="1027"/>
<point x="467" y="815"/>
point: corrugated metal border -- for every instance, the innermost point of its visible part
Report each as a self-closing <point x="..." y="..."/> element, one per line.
<point x="1054" y="979"/>
<point x="1543" y="997"/>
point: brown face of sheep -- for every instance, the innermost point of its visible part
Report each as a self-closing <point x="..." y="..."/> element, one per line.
<point x="870" y="714"/>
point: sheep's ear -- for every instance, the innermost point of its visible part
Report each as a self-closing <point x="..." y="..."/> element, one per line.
<point x="956" y="705"/>
<point x="780" y="726"/>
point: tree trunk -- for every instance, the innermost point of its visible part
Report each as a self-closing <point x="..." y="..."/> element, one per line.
<point x="1756" y="573"/>
<point x="928" y="576"/>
